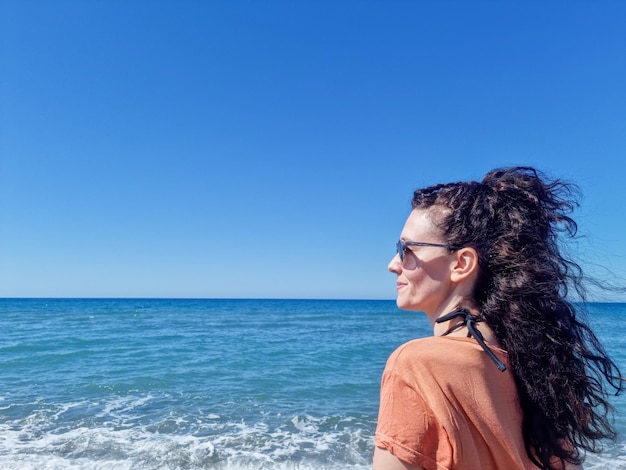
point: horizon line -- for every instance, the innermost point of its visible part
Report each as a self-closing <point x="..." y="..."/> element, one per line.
<point x="256" y="298"/>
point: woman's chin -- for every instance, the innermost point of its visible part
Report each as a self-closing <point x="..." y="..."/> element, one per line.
<point x="403" y="304"/>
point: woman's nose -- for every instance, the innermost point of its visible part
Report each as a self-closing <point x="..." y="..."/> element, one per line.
<point x="395" y="265"/>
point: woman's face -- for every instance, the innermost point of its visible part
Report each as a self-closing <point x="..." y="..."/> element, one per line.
<point x="423" y="281"/>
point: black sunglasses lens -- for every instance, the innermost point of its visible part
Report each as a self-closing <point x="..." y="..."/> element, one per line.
<point x="400" y="250"/>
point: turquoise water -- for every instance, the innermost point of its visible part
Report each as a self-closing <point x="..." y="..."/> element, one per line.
<point x="216" y="384"/>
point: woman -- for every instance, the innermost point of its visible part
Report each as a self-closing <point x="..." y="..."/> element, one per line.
<point x="512" y="378"/>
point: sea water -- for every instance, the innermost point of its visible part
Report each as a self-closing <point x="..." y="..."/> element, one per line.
<point x="211" y="384"/>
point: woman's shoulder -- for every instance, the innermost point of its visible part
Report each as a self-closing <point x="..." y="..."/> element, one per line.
<point x="451" y="366"/>
<point x="440" y="352"/>
<point x="435" y="345"/>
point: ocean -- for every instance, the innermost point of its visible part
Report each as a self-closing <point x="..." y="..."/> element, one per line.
<point x="211" y="384"/>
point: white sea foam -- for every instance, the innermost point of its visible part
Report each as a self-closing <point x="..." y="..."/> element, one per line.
<point x="606" y="462"/>
<point x="41" y="441"/>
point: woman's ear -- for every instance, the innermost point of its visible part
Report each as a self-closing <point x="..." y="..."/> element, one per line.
<point x="465" y="264"/>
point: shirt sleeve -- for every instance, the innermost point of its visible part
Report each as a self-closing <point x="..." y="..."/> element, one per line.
<point x="408" y="428"/>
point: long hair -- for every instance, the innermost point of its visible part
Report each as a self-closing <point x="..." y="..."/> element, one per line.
<point x="516" y="219"/>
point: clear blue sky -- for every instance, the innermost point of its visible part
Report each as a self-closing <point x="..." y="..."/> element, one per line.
<point x="270" y="148"/>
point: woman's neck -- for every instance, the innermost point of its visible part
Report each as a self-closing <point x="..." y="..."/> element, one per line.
<point x="454" y="327"/>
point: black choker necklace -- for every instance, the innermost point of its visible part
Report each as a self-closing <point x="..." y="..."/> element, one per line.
<point x="470" y="321"/>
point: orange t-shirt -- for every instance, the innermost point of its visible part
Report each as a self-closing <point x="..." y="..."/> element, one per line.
<point x="445" y="405"/>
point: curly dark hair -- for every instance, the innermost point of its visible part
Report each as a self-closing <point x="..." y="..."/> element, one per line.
<point x="516" y="219"/>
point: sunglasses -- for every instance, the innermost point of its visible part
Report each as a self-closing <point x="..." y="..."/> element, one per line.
<point x="401" y="246"/>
